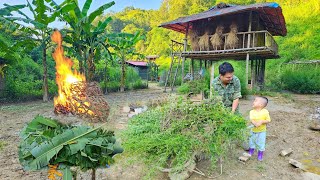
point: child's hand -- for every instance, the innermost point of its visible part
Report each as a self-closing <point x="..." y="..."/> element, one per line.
<point x="257" y="124"/>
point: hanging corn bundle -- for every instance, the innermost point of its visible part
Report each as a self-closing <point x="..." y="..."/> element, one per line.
<point x="216" y="39"/>
<point x="204" y="42"/>
<point x="232" y="39"/>
<point x="193" y="35"/>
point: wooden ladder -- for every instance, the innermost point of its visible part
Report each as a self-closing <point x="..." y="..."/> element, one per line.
<point x="174" y="60"/>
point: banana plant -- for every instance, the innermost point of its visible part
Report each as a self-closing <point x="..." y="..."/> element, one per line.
<point x="8" y="51"/>
<point x="40" y="30"/>
<point x="124" y="45"/>
<point x="85" y="37"/>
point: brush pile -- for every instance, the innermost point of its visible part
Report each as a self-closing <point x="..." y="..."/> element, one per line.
<point x="172" y="137"/>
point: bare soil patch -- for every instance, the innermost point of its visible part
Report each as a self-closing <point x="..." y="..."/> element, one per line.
<point x="288" y="129"/>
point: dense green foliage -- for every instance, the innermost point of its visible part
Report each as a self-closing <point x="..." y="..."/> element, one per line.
<point x="301" y="42"/>
<point x="301" y="80"/>
<point x="176" y="130"/>
<point x="112" y="84"/>
<point x="46" y="141"/>
<point x="24" y="49"/>
<point x="196" y="86"/>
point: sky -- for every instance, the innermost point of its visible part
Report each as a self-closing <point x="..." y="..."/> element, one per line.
<point x="119" y="6"/>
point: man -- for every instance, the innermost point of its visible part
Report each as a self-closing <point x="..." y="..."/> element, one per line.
<point x="228" y="87"/>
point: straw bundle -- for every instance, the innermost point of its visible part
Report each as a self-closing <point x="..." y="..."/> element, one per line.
<point x="194" y="40"/>
<point x="232" y="39"/>
<point x="204" y="42"/>
<point x="216" y="39"/>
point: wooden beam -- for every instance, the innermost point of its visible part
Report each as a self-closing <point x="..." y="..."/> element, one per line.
<point x="185" y="44"/>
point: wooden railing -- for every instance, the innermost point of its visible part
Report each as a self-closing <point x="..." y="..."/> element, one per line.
<point x="258" y="40"/>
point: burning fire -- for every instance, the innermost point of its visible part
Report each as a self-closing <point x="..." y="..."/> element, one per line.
<point x="65" y="77"/>
<point x="75" y="95"/>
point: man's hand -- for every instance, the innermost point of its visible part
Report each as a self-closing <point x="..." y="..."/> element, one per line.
<point x="235" y="104"/>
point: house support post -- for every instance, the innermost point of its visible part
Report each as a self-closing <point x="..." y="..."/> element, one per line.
<point x="185" y="44"/>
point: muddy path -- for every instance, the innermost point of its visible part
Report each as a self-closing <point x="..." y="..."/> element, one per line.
<point x="288" y="129"/>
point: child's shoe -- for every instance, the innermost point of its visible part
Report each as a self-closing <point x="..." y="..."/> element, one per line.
<point x="260" y="155"/>
<point x="251" y="151"/>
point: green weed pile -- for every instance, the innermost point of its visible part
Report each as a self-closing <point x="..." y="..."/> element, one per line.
<point x="168" y="136"/>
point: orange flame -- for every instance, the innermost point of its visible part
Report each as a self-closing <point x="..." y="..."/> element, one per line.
<point x="64" y="75"/>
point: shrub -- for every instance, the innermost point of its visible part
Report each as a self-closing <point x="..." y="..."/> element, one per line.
<point x="302" y="80"/>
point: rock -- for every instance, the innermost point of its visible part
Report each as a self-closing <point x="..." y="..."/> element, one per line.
<point x="297" y="164"/>
<point x="144" y="108"/>
<point x="310" y="176"/>
<point x="138" y="110"/>
<point x="131" y="115"/>
<point x="126" y="109"/>
<point x="286" y="152"/>
<point x="245" y="157"/>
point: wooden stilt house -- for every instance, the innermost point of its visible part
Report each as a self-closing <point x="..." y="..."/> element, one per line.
<point x="230" y="32"/>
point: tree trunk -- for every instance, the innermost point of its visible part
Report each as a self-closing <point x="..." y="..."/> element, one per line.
<point x="123" y="73"/>
<point x="45" y="75"/>
<point x="81" y="69"/>
<point x="91" y="67"/>
<point x="105" y="79"/>
<point x="93" y="177"/>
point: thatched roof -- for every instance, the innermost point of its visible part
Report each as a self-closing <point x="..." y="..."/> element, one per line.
<point x="269" y="13"/>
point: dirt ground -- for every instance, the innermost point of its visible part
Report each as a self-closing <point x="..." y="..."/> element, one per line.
<point x="288" y="129"/>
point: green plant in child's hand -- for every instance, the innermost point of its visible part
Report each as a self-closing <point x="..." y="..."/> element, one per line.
<point x="170" y="135"/>
<point x="47" y="142"/>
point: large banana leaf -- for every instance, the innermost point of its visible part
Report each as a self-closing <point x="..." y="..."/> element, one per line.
<point x="38" y="121"/>
<point x="99" y="11"/>
<point x="67" y="174"/>
<point x="37" y="24"/>
<point x="41" y="11"/>
<point x="9" y="53"/>
<point x="86" y="7"/>
<point x="102" y="25"/>
<point x="6" y="11"/>
<point x="47" y="150"/>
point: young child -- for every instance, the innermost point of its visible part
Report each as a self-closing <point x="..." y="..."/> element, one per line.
<point x="259" y="117"/>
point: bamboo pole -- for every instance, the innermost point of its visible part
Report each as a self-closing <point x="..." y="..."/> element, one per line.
<point x="253" y="64"/>
<point x="248" y="46"/>
<point x="211" y="80"/>
<point x="175" y="74"/>
<point x="192" y="69"/>
<point x="169" y="72"/>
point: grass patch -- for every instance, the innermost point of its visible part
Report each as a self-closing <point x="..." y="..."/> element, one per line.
<point x="3" y="144"/>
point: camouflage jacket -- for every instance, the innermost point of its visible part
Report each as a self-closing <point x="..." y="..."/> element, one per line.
<point x="227" y="93"/>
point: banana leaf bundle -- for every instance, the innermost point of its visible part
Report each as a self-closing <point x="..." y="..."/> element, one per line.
<point x="46" y="141"/>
